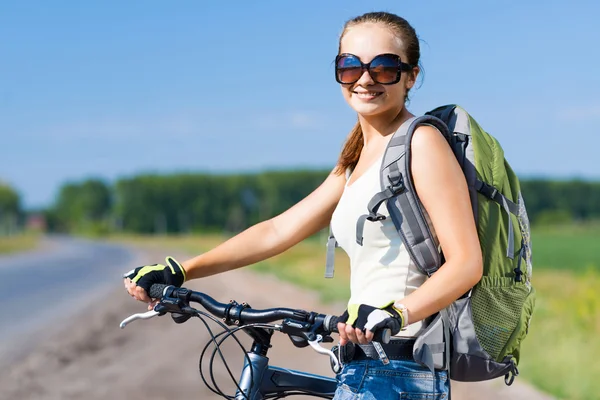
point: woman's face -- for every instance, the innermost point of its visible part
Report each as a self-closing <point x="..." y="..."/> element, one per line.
<point x="365" y="96"/>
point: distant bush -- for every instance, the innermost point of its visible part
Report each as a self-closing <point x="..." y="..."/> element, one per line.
<point x="553" y="217"/>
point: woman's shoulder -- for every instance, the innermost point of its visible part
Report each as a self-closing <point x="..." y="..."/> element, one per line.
<point x="426" y="136"/>
<point x="433" y="163"/>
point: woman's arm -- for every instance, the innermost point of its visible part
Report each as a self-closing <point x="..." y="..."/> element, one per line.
<point x="442" y="188"/>
<point x="269" y="238"/>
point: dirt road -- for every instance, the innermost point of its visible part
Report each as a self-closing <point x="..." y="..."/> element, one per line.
<point x="89" y="357"/>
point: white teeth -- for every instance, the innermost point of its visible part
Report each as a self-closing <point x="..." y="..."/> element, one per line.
<point x="367" y="93"/>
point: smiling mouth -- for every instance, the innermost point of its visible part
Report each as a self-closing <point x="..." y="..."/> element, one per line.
<point x="367" y="95"/>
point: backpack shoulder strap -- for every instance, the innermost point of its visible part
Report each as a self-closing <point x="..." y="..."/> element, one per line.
<point x="398" y="191"/>
<point x="330" y="259"/>
<point x="332" y="243"/>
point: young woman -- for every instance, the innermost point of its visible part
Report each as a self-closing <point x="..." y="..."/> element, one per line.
<point x="376" y="66"/>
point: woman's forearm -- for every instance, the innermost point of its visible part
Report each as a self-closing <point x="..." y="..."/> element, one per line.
<point x="255" y="244"/>
<point x="449" y="283"/>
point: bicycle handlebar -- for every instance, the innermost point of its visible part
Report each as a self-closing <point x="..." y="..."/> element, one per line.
<point x="246" y="315"/>
<point x="242" y="315"/>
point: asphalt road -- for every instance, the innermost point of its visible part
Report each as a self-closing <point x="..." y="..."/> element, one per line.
<point x="45" y="286"/>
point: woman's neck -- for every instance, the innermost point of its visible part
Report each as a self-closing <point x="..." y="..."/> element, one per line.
<point x="379" y="126"/>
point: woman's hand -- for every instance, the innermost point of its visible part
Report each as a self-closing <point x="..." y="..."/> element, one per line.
<point x="138" y="281"/>
<point x="135" y="291"/>
<point x="361" y="321"/>
<point x="348" y="333"/>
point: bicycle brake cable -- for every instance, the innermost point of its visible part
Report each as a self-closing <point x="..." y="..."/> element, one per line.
<point x="227" y="331"/>
<point x="213" y="339"/>
<point x="231" y="332"/>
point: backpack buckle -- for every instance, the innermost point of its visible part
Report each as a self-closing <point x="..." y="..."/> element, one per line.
<point x="493" y="193"/>
<point x="375" y="217"/>
<point x="396" y="181"/>
<point x="509" y="378"/>
<point x="518" y="274"/>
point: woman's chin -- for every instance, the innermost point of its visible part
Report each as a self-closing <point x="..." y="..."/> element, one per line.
<point x="368" y="110"/>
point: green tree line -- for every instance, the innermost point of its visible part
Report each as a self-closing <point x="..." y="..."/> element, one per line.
<point x="183" y="203"/>
<point x="10" y="210"/>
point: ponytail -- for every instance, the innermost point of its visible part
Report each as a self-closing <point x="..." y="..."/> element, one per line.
<point x="351" y="151"/>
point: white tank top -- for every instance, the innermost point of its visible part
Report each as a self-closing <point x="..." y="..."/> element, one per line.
<point x="381" y="270"/>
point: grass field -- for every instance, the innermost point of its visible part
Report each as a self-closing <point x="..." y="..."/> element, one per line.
<point x="574" y="248"/>
<point x="561" y="353"/>
<point x="18" y="243"/>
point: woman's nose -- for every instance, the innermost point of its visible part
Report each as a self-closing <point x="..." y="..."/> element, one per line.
<point x="365" y="78"/>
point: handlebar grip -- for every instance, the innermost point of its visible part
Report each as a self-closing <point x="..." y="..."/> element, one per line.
<point x="382" y="335"/>
<point x="156" y="290"/>
<point x="331" y="323"/>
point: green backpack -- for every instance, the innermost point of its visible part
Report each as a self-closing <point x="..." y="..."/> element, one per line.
<point x="480" y="333"/>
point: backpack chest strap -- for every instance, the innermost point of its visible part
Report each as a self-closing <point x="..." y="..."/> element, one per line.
<point x="373" y="209"/>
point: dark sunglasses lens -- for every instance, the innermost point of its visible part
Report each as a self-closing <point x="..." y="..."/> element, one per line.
<point x="384" y="69"/>
<point x="348" y="69"/>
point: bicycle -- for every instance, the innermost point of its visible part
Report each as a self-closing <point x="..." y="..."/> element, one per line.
<point x="258" y="380"/>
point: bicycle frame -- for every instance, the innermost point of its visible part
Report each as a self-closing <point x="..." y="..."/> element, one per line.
<point x="258" y="380"/>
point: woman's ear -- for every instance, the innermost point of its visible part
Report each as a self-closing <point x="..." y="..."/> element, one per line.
<point x="412" y="77"/>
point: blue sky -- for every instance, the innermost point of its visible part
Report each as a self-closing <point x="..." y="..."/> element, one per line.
<point x="110" y="88"/>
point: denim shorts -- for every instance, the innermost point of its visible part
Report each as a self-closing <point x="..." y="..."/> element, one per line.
<point x="398" y="380"/>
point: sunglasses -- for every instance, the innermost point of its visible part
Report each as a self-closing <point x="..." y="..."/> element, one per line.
<point x="384" y="69"/>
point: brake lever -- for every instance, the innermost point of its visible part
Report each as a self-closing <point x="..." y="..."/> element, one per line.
<point x="131" y="318"/>
<point x="322" y="350"/>
<point x="327" y="339"/>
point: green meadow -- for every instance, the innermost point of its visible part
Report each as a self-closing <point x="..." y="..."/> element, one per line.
<point x="573" y="247"/>
<point x="561" y="353"/>
<point x="559" y="356"/>
<point x="21" y="242"/>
